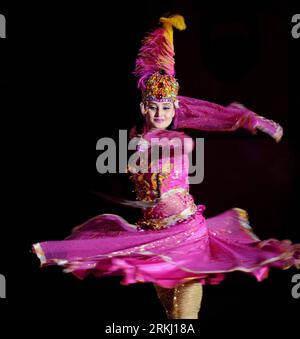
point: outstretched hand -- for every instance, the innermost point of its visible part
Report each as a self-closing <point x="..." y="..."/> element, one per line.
<point x="270" y="127"/>
<point x="256" y="122"/>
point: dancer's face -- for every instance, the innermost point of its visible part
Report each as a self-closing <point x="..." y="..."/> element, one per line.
<point x="158" y="114"/>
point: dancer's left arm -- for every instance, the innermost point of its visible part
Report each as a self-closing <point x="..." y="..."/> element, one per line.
<point x="203" y="115"/>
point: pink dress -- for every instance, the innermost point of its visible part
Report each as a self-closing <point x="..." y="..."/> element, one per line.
<point x="172" y="242"/>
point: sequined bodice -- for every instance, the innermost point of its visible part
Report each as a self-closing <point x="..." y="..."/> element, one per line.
<point x="166" y="181"/>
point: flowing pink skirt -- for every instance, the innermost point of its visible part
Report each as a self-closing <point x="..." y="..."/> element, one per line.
<point x="195" y="248"/>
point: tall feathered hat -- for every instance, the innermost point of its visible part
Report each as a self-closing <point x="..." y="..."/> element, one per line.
<point x="155" y="64"/>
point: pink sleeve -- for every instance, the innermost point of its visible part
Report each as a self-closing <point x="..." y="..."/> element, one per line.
<point x="203" y="115"/>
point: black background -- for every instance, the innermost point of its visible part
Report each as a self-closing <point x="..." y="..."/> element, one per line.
<point x="68" y="71"/>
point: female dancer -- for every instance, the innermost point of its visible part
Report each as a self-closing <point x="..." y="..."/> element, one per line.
<point x="172" y="246"/>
